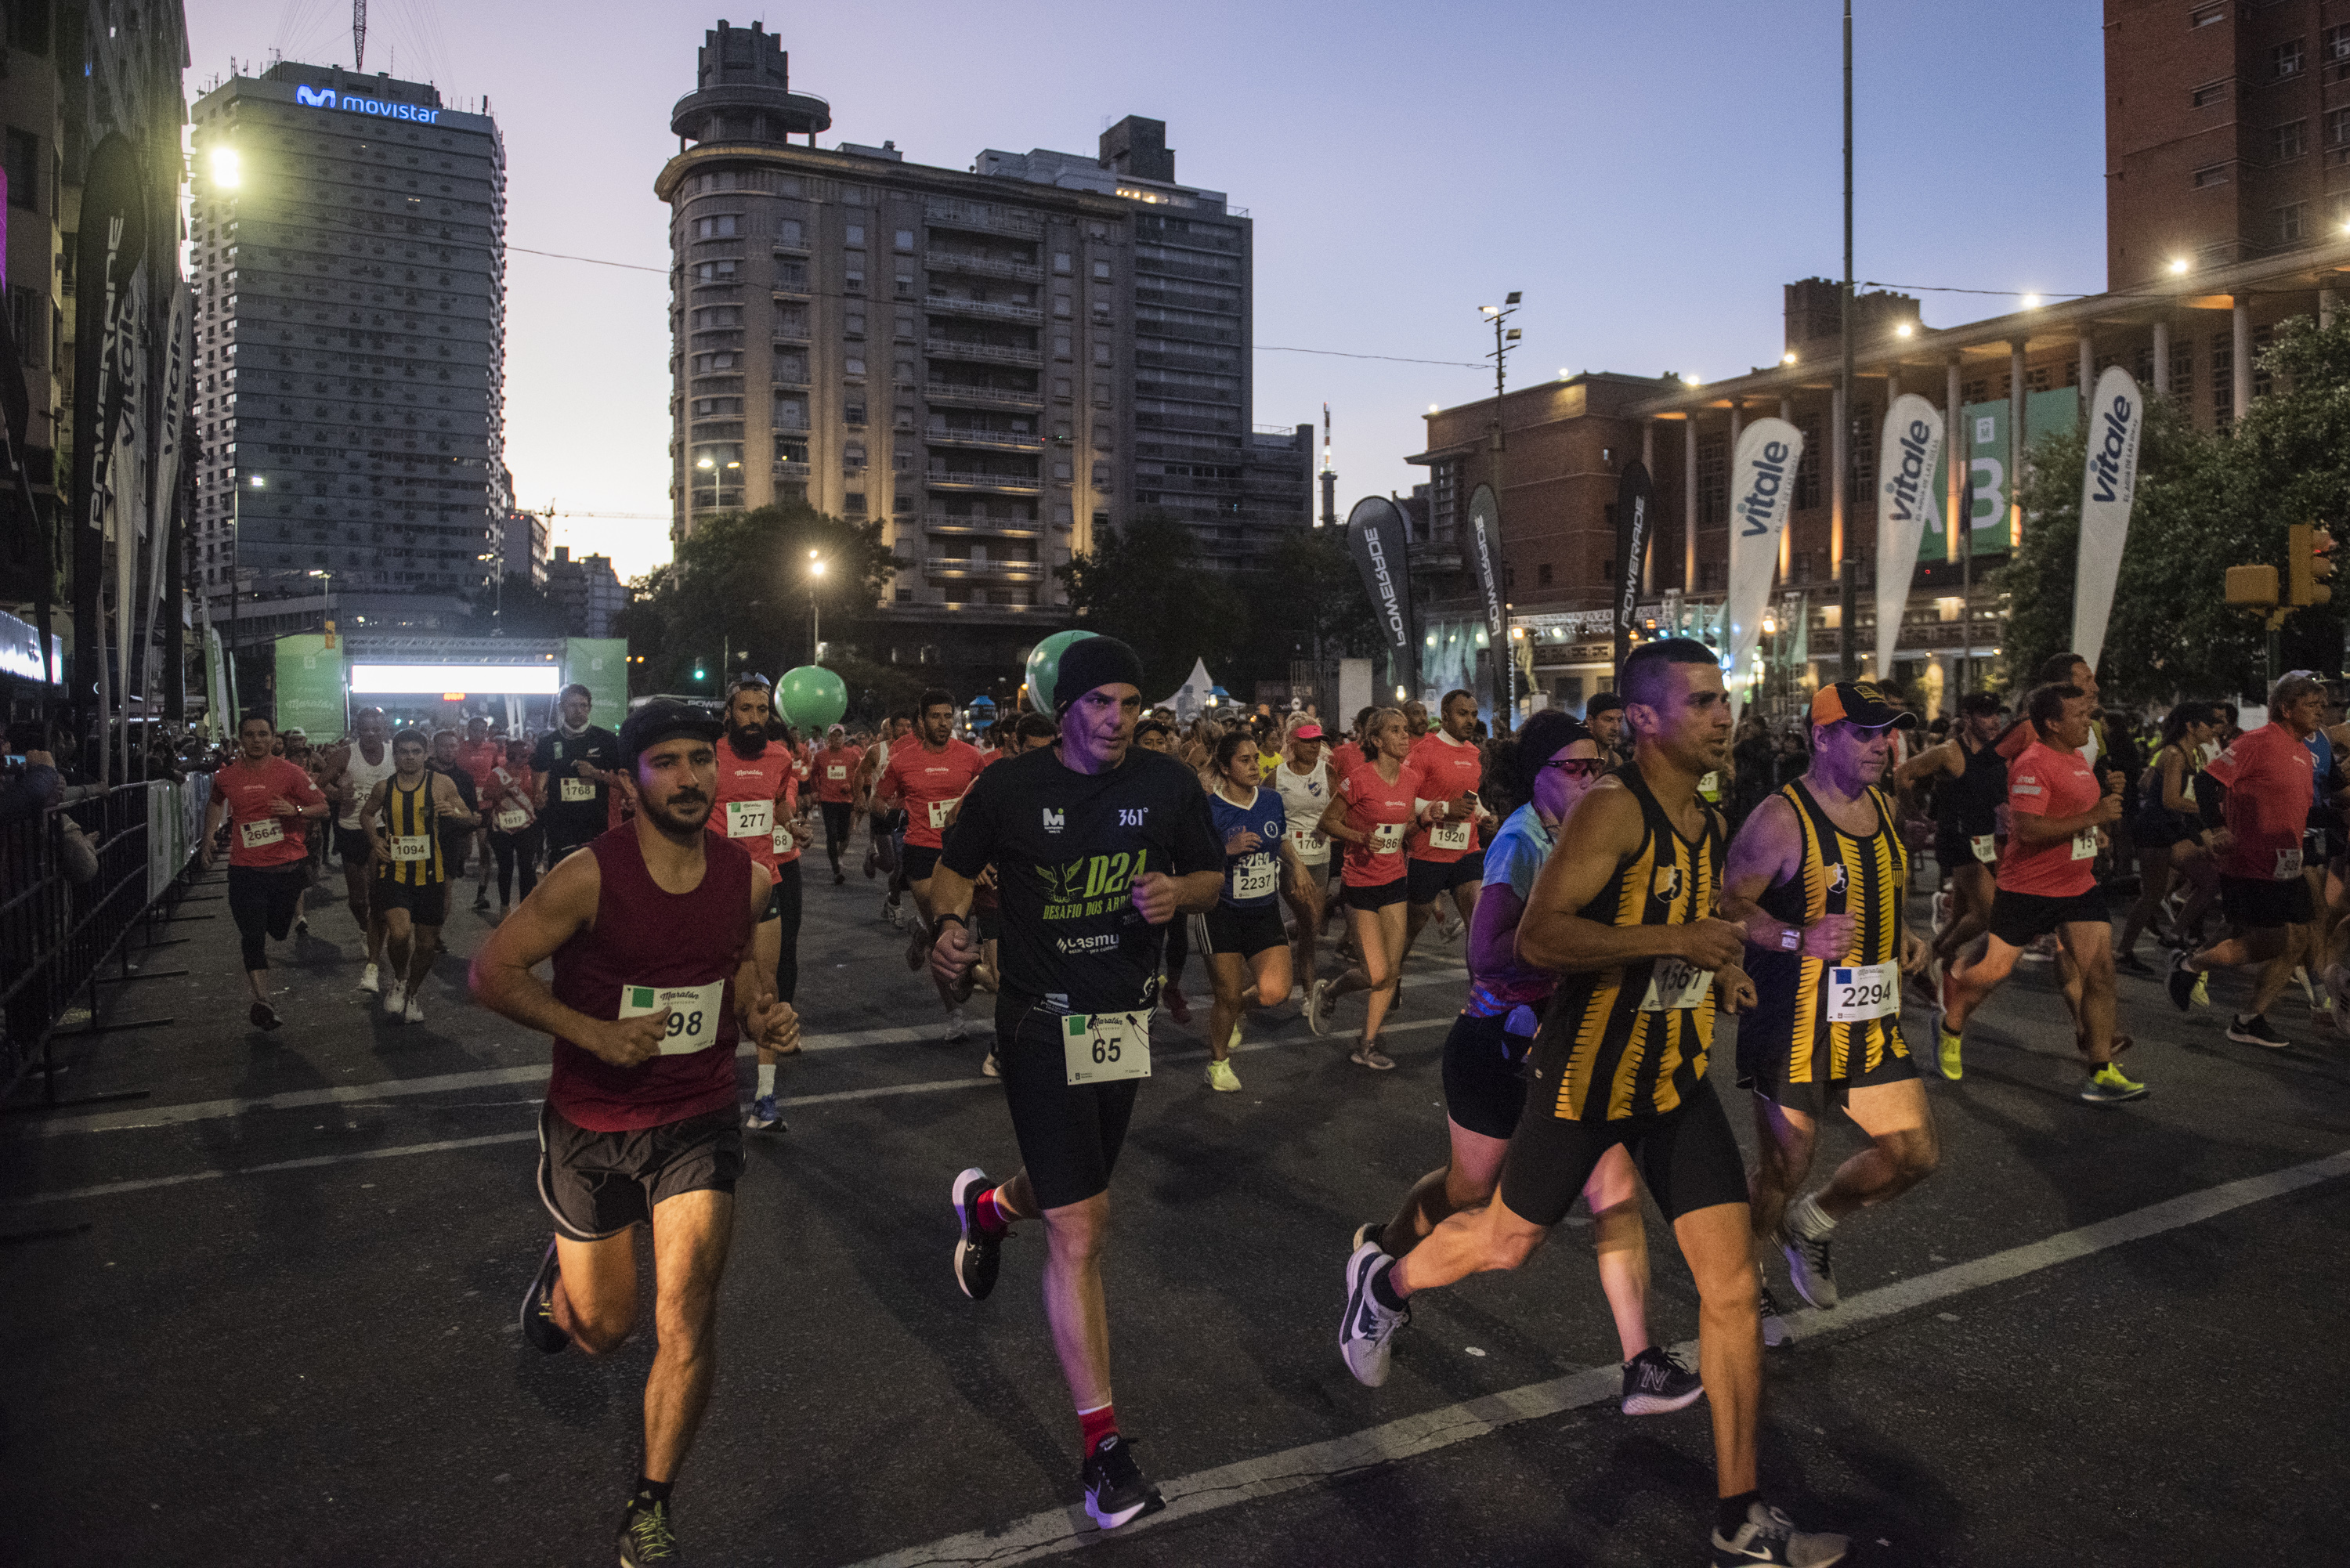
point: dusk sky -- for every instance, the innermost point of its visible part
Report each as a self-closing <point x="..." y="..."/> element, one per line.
<point x="1648" y="176"/>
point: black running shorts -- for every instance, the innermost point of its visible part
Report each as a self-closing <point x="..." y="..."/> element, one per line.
<point x="2262" y="904"/>
<point x="1245" y="931"/>
<point x="427" y="906"/>
<point x="1069" y="1135"/>
<point x="598" y="1184"/>
<point x="1380" y="897"/>
<point x="1954" y="850"/>
<point x="1431" y="880"/>
<point x="2019" y="919"/>
<point x="353" y="846"/>
<point x="1484" y="1075"/>
<point x="919" y="862"/>
<point x="1687" y="1158"/>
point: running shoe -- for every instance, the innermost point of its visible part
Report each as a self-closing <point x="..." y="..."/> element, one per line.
<point x="1775" y="1331"/>
<point x="764" y="1117"/>
<point x="538" y="1327"/>
<point x="1770" y="1537"/>
<point x="838" y="877"/>
<point x="2187" y="987"/>
<point x="395" y="1000"/>
<point x="872" y="861"/>
<point x="1367" y="1054"/>
<point x="414" y="1011"/>
<point x="1449" y="932"/>
<point x="889" y="911"/>
<point x="1178" y="1004"/>
<point x="958" y="1024"/>
<point x="1363" y="1337"/>
<point x="481" y="899"/>
<point x="2130" y="963"/>
<point x="2308" y="991"/>
<point x="1948" y="1051"/>
<point x="976" y="1252"/>
<point x="301" y="925"/>
<point x="1115" y="1488"/>
<point x="646" y="1538"/>
<point x="1808" y="1267"/>
<point x="1368" y="1230"/>
<point x="264" y="1016"/>
<point x="991" y="1067"/>
<point x="1221" y="1077"/>
<point x="368" y="980"/>
<point x="1656" y="1382"/>
<point x="2255" y="1030"/>
<point x="1317" y="1005"/>
<point x="2109" y="1087"/>
<point x="918" y="951"/>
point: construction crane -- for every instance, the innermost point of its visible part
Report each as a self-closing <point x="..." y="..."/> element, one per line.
<point x="551" y="510"/>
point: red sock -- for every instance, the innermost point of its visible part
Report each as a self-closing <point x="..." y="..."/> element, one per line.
<point x="992" y="1217"/>
<point x="1095" y="1425"/>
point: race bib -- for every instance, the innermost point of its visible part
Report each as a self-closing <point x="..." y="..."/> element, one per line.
<point x="1674" y="986"/>
<point x="1255" y="876"/>
<point x="513" y="819"/>
<point x="750" y="818"/>
<point x="1102" y="1047"/>
<point x="1309" y="843"/>
<point x="262" y="833"/>
<point x="1986" y="848"/>
<point x="1709" y="786"/>
<point x="1449" y="834"/>
<point x="577" y="789"/>
<point x="1863" y="991"/>
<point x="694" y="1012"/>
<point x="2085" y="843"/>
<point x="2288" y="865"/>
<point x="783" y="843"/>
<point x="418" y="846"/>
<point x="940" y="810"/>
<point x="835" y="772"/>
<point x="1387" y="837"/>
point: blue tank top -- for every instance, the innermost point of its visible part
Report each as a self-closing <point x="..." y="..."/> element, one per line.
<point x="1252" y="880"/>
<point x="2321" y="746"/>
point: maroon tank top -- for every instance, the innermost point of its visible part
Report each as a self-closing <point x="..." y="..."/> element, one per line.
<point x="644" y="937"/>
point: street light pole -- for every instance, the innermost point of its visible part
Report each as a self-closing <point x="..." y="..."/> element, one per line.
<point x="816" y="642"/>
<point x="1504" y="336"/>
<point x="1848" y="660"/>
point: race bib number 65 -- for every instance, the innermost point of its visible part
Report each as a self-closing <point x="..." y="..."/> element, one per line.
<point x="1103" y="1047"/>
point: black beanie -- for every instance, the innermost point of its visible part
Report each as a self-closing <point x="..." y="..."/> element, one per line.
<point x="1093" y="661"/>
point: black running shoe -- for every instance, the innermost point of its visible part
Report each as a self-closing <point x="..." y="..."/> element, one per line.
<point x="2255" y="1030"/>
<point x="2130" y="963"/>
<point x="1770" y="1537"/>
<point x="1654" y="1382"/>
<point x="976" y="1252"/>
<point x="538" y="1307"/>
<point x="1115" y="1488"/>
<point x="2186" y="987"/>
<point x="264" y="1016"/>
<point x="1775" y="1331"/>
<point x="646" y="1538"/>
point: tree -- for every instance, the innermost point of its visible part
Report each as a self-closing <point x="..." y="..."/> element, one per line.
<point x="1144" y="585"/>
<point x="1310" y="600"/>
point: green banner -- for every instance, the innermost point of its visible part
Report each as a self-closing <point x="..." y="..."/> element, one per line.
<point x="601" y="665"/>
<point x="310" y="690"/>
<point x="1982" y="435"/>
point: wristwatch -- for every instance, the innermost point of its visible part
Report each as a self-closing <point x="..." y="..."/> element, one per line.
<point x="1791" y="939"/>
<point x="938" y="925"/>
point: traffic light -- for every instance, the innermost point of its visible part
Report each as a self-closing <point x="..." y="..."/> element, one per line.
<point x="700" y="673"/>
<point x="2310" y="551"/>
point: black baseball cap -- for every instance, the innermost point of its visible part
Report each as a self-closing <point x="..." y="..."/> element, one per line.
<point x="661" y="720"/>
<point x="1863" y="704"/>
<point x="1602" y="702"/>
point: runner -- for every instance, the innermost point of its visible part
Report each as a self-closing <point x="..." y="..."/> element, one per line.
<point x="268" y="802"/>
<point x="885" y="829"/>
<point x="1556" y="760"/>
<point x="1970" y="780"/>
<point x="1304" y="781"/>
<point x="1605" y="716"/>
<point x="1445" y="855"/>
<point x="1373" y="807"/>
<point x="406" y="816"/>
<point x="2048" y="882"/>
<point x="1415" y="719"/>
<point x="481" y="756"/>
<point x="2171" y="836"/>
<point x="756" y="809"/>
<point x="351" y="773"/>
<point x="929" y="776"/>
<point x="574" y="765"/>
<point x="1096" y="846"/>
<point x="1242" y="936"/>
<point x="1347" y="754"/>
<point x="1155" y="734"/>
<point x="1032" y="732"/>
<point x="1818" y="876"/>
<point x="2258" y="793"/>
<point x="455" y="841"/>
<point x="651" y="935"/>
<point x="1620" y="1061"/>
<point x="313" y="831"/>
<point x="836" y="793"/>
<point x="513" y="831"/>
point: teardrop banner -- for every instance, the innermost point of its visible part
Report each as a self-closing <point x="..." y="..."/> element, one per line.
<point x="1633" y="499"/>
<point x="1377" y="537"/>
<point x="1906" y="455"/>
<point x="2109" y="484"/>
<point x="1762" y="484"/>
<point x="1484" y="548"/>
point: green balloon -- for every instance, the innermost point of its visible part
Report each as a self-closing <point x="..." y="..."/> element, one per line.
<point x="1045" y="667"/>
<point x="811" y="697"/>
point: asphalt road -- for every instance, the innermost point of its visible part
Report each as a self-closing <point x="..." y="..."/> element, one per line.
<point x="265" y="1314"/>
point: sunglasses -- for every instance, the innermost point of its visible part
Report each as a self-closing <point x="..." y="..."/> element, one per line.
<point x="1577" y="767"/>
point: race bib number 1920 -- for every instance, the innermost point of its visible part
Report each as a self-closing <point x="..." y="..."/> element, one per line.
<point x="1102" y="1047"/>
<point x="694" y="1012"/>
<point x="1449" y="835"/>
<point x="1675" y="986"/>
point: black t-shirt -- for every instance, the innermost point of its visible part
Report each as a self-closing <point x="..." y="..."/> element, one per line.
<point x="575" y="821"/>
<point x="451" y="832"/>
<point x="1066" y="847"/>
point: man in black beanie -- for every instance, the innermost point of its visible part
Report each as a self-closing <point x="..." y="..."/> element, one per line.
<point x="1097" y="843"/>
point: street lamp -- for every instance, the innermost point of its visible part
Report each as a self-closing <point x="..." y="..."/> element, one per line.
<point x="815" y="571"/>
<point x="328" y="616"/>
<point x="1506" y="679"/>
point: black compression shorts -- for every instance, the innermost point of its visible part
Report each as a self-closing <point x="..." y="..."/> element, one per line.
<point x="919" y="862"/>
<point x="2262" y="904"/>
<point x="1246" y="932"/>
<point x="427" y="906"/>
<point x="1687" y="1158"/>
<point x="1069" y="1135"/>
<point x="1431" y="880"/>
<point x="2019" y="919"/>
<point x="1486" y="1074"/>
<point x="1379" y="897"/>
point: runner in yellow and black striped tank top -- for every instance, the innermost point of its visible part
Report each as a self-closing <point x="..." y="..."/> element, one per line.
<point x="408" y="815"/>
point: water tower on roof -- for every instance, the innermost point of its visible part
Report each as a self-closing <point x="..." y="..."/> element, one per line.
<point x="743" y="93"/>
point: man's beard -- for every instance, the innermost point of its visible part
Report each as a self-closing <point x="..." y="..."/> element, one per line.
<point x="749" y="739"/>
<point x="670" y="826"/>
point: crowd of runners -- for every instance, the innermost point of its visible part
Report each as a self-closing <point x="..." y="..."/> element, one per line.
<point x="1615" y="884"/>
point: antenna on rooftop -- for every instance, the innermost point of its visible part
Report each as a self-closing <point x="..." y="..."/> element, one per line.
<point x="359" y="35"/>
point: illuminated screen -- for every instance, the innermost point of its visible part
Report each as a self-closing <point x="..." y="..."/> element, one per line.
<point x="432" y="680"/>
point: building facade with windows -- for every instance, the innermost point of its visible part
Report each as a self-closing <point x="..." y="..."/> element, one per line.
<point x="349" y="242"/>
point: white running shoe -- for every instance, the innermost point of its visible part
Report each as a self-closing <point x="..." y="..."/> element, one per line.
<point x="414" y="1011"/>
<point x="395" y="998"/>
<point x="1363" y="1337"/>
<point x="1317" y="1006"/>
<point x="958" y="1024"/>
<point x="369" y="979"/>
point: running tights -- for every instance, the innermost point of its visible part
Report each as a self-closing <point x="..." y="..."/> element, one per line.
<point x="788" y="905"/>
<point x="516" y="848"/>
<point x="260" y="900"/>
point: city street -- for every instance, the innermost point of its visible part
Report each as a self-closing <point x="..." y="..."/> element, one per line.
<point x="266" y="1315"/>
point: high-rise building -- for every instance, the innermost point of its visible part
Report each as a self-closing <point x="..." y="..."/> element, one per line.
<point x="349" y="240"/>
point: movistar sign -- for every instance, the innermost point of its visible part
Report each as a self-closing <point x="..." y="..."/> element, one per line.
<point x="352" y="103"/>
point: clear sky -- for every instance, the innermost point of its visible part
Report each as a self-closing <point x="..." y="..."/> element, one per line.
<point x="1648" y="176"/>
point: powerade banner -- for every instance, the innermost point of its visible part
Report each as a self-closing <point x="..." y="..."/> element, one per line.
<point x="1484" y="546"/>
<point x="112" y="242"/>
<point x="1906" y="457"/>
<point x="164" y="505"/>
<point x="1981" y="441"/>
<point x="601" y="665"/>
<point x="1633" y="502"/>
<point x="1762" y="492"/>
<point x="1376" y="535"/>
<point x="310" y="689"/>
<point x="2108" y="482"/>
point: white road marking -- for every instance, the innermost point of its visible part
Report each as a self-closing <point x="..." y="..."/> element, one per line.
<point x="1056" y="1530"/>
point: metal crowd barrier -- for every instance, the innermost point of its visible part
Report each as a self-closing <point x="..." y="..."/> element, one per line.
<point x="57" y="936"/>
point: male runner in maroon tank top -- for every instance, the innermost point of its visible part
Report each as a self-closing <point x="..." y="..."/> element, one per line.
<point x="650" y="933"/>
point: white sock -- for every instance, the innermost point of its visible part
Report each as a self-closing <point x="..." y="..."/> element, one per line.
<point x="1808" y="1218"/>
<point x="766" y="1078"/>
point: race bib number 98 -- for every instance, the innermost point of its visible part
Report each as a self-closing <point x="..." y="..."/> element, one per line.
<point x="1674" y="986"/>
<point x="1102" y="1047"/>
<point x="694" y="1013"/>
<point x="1863" y="991"/>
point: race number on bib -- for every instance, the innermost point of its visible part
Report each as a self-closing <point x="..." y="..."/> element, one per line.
<point x="1102" y="1047"/>
<point x="783" y="843"/>
<point x="694" y="1012"/>
<point x="750" y="818"/>
<point x="513" y="819"/>
<point x="1308" y="843"/>
<point x="1675" y="986"/>
<point x="2085" y="843"/>
<point x="2288" y="865"/>
<point x="940" y="810"/>
<point x="1449" y="835"/>
<point x="259" y="834"/>
<point x="415" y="846"/>
<point x="1986" y="848"/>
<point x="1255" y="876"/>
<point x="835" y="772"/>
<point x="577" y="789"/>
<point x="1863" y="991"/>
<point x="1387" y="837"/>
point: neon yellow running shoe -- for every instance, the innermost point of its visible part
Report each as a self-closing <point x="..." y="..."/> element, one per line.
<point x="1221" y="1077"/>
<point x="2109" y="1087"/>
<point x="1948" y="1051"/>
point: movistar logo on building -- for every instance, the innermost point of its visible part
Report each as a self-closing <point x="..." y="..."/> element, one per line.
<point x="352" y="103"/>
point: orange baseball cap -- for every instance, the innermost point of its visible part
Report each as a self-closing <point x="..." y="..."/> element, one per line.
<point x="1862" y="702"/>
